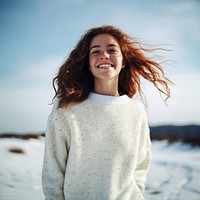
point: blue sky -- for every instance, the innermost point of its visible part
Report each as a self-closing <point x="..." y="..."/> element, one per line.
<point x="37" y="35"/>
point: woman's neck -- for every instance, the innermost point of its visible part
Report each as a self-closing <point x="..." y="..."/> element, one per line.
<point x="106" y="87"/>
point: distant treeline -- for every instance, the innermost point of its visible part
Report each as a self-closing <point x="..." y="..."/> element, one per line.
<point x="188" y="134"/>
<point x="24" y="136"/>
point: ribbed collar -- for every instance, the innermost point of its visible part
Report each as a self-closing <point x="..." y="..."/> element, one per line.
<point x="105" y="99"/>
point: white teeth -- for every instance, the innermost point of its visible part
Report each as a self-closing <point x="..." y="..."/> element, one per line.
<point x="104" y="66"/>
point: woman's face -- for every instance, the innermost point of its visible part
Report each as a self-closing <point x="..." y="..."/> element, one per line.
<point x="105" y="57"/>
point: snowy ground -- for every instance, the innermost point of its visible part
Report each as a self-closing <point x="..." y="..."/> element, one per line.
<point x="174" y="174"/>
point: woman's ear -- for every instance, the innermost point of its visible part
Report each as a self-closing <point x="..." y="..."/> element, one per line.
<point x="123" y="64"/>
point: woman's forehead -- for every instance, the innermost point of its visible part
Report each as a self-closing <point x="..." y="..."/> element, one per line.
<point x="103" y="40"/>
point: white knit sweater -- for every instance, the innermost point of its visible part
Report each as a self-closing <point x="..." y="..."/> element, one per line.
<point x="97" y="150"/>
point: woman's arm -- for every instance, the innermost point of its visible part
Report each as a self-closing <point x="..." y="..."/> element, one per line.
<point x="144" y="155"/>
<point x="55" y="158"/>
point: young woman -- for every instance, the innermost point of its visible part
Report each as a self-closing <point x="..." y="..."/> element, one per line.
<point x="97" y="139"/>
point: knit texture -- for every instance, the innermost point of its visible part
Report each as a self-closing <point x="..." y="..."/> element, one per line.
<point x="97" y="150"/>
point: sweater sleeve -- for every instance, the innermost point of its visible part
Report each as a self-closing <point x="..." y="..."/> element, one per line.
<point x="144" y="155"/>
<point x="55" y="158"/>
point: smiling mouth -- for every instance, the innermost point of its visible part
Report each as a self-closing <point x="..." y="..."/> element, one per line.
<point x="105" y="66"/>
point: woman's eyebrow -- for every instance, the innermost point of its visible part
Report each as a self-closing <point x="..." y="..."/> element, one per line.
<point x="95" y="46"/>
<point x="112" y="45"/>
<point x="109" y="45"/>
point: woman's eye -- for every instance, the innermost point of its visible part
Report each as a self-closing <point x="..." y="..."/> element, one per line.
<point x="95" y="52"/>
<point x="112" y="51"/>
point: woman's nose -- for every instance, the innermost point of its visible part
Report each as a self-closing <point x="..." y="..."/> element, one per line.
<point x="104" y="55"/>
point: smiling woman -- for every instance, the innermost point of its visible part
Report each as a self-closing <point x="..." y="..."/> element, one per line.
<point x="97" y="139"/>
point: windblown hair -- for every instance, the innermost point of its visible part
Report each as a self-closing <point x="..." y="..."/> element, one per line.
<point x="74" y="81"/>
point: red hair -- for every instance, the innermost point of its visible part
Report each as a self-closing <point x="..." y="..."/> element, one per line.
<point x="74" y="81"/>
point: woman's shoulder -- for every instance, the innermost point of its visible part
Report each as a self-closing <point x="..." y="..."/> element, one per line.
<point x="56" y="111"/>
<point x="61" y="112"/>
<point x="137" y="103"/>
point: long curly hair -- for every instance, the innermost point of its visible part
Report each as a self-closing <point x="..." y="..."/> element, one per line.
<point x="74" y="81"/>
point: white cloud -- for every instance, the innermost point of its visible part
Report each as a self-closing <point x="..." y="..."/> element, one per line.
<point x="183" y="107"/>
<point x="25" y="97"/>
<point x="33" y="75"/>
